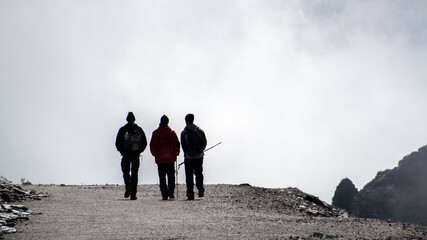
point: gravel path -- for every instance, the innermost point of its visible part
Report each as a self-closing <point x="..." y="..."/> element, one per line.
<point x="226" y="212"/>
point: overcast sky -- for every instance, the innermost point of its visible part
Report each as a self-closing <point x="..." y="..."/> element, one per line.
<point x="301" y="93"/>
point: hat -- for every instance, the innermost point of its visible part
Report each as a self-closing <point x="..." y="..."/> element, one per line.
<point x="164" y="121"/>
<point x="130" y="117"/>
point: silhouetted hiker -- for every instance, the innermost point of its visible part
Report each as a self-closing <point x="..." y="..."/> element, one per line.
<point x="164" y="146"/>
<point x="130" y="142"/>
<point x="193" y="141"/>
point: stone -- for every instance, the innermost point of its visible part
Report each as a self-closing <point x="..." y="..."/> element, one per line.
<point x="12" y="214"/>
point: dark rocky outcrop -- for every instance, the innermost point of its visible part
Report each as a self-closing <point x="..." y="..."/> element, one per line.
<point x="344" y="195"/>
<point x="399" y="194"/>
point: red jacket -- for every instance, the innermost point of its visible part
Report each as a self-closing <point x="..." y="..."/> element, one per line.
<point x="164" y="145"/>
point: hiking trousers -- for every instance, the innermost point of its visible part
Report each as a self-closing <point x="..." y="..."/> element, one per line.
<point x="194" y="166"/>
<point x="166" y="169"/>
<point x="130" y="167"/>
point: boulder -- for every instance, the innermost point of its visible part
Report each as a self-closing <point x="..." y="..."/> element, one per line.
<point x="344" y="195"/>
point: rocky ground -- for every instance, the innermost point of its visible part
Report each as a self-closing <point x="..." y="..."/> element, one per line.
<point x="226" y="212"/>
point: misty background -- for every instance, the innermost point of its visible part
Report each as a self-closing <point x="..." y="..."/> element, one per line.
<point x="301" y="93"/>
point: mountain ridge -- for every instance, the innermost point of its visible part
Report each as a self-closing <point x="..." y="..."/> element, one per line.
<point x="399" y="194"/>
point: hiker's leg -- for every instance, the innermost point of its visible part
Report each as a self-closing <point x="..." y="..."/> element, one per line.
<point x="126" y="171"/>
<point x="198" y="171"/>
<point x="171" y="179"/>
<point x="162" y="180"/>
<point x="189" y="179"/>
<point x="134" y="174"/>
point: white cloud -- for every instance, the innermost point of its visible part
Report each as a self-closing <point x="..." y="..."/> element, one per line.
<point x="301" y="93"/>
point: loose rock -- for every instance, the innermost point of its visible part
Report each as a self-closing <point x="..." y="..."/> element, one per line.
<point x="288" y="201"/>
<point x="11" y="214"/>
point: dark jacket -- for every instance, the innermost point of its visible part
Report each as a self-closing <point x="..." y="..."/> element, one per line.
<point x="164" y="145"/>
<point x="130" y="127"/>
<point x="187" y="146"/>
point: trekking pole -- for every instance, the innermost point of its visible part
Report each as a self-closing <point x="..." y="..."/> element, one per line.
<point x="212" y="147"/>
<point x="179" y="165"/>
<point x="176" y="176"/>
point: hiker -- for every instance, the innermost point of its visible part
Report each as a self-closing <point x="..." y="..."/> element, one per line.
<point x="130" y="142"/>
<point x="164" y="146"/>
<point x="193" y="141"/>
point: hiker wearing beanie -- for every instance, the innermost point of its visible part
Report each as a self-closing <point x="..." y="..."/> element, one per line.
<point x="193" y="141"/>
<point x="164" y="146"/>
<point x="130" y="142"/>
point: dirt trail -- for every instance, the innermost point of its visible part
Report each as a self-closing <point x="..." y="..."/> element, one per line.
<point x="226" y="212"/>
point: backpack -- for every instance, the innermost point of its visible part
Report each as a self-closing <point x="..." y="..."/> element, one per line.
<point x="194" y="141"/>
<point x="132" y="141"/>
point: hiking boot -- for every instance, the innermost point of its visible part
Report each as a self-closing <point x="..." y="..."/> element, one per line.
<point x="133" y="197"/>
<point x="127" y="194"/>
<point x="172" y="196"/>
<point x="190" y="198"/>
<point x="201" y="193"/>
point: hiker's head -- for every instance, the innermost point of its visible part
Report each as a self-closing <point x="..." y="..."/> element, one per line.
<point x="189" y="119"/>
<point x="130" y="118"/>
<point x="164" y="121"/>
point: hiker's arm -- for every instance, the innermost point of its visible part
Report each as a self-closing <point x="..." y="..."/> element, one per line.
<point x="176" y="144"/>
<point x="184" y="142"/>
<point x="153" y="144"/>
<point x="144" y="140"/>
<point x="204" y="140"/>
<point x="119" y="141"/>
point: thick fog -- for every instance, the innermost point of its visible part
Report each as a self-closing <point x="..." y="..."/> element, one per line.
<point x="301" y="93"/>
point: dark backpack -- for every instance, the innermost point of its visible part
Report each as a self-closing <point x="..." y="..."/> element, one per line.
<point x="132" y="141"/>
<point x="194" y="141"/>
